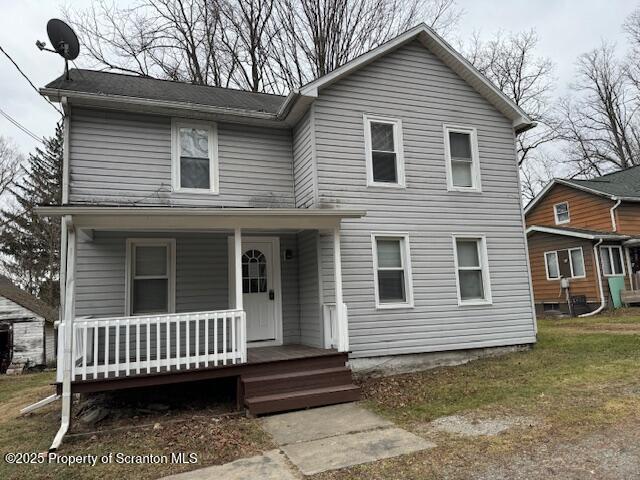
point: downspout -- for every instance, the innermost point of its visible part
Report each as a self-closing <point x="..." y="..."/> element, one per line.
<point x="67" y="320"/>
<point x="603" y="302"/>
<point x="614" y="224"/>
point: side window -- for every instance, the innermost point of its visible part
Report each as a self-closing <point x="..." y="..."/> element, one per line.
<point x="472" y="270"/>
<point x="384" y="151"/>
<point x="151" y="277"/>
<point x="551" y="262"/>
<point x="561" y="213"/>
<point x="461" y="156"/>
<point x="612" y="261"/>
<point x="392" y="271"/>
<point x="194" y="157"/>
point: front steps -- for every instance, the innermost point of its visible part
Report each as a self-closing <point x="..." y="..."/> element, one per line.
<point x="300" y="383"/>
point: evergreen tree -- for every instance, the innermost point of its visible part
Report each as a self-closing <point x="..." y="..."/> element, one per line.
<point x="31" y="244"/>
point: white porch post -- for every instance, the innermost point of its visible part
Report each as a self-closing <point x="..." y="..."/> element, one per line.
<point x="237" y="250"/>
<point x="67" y="321"/>
<point x="341" y="321"/>
<point x="238" y="267"/>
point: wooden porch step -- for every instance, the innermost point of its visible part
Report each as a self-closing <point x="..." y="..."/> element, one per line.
<point x="295" y="381"/>
<point x="302" y="399"/>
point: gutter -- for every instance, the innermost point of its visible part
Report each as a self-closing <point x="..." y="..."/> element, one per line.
<point x="603" y="302"/>
<point x="614" y="224"/>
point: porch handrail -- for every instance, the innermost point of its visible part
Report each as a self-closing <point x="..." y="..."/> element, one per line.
<point x="122" y="346"/>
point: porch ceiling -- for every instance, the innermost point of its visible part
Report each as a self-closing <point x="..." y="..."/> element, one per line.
<point x="153" y="218"/>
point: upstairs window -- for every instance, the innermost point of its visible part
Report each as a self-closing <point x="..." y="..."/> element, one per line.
<point x="392" y="271"/>
<point x="472" y="270"/>
<point x="194" y="158"/>
<point x="561" y="213"/>
<point x="461" y="155"/>
<point x="383" y="148"/>
<point x="612" y="262"/>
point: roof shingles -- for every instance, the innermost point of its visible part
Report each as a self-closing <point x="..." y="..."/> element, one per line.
<point x="106" y="83"/>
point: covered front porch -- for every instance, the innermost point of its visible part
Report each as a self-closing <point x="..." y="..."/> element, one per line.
<point x="174" y="294"/>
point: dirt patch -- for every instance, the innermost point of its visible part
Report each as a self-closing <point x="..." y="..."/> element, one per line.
<point x="607" y="455"/>
<point x="468" y="426"/>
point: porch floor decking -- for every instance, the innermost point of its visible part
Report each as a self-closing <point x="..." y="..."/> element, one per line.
<point x="258" y="360"/>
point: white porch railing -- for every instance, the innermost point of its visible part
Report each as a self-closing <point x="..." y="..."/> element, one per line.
<point x="330" y="324"/>
<point x="121" y="346"/>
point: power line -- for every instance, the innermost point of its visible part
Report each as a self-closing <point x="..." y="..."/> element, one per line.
<point x="29" y="80"/>
<point x="20" y="126"/>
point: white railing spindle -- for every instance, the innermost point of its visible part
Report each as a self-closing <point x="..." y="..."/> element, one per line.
<point x="227" y="344"/>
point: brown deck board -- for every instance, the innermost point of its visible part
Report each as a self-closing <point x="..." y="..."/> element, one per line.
<point x="259" y="359"/>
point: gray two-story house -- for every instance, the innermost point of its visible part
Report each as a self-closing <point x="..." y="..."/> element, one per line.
<point x="211" y="232"/>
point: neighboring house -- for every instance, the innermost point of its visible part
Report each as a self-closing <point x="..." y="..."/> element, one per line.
<point x="388" y="187"/>
<point x="26" y="329"/>
<point x="587" y="231"/>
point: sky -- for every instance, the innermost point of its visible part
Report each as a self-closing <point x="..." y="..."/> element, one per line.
<point x="566" y="29"/>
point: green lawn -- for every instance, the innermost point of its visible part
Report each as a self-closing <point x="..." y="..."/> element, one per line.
<point x="582" y="375"/>
<point x="573" y="354"/>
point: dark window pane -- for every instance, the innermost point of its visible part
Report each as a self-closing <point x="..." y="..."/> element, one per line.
<point x="382" y="137"/>
<point x="471" y="287"/>
<point x="151" y="260"/>
<point x="194" y="172"/>
<point x="460" y="145"/>
<point x="245" y="286"/>
<point x="384" y="167"/>
<point x="391" y="286"/>
<point x="150" y="296"/>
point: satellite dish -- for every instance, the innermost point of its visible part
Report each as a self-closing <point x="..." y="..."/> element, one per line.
<point x="63" y="39"/>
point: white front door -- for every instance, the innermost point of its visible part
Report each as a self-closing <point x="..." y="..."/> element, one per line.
<point x="260" y="289"/>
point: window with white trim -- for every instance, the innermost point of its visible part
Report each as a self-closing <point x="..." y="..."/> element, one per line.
<point x="384" y="151"/>
<point x="462" y="159"/>
<point x="151" y="277"/>
<point x="576" y="258"/>
<point x="551" y="263"/>
<point x="561" y="213"/>
<point x="472" y="270"/>
<point x="392" y="271"/>
<point x="612" y="260"/>
<point x="194" y="156"/>
<point x="568" y="263"/>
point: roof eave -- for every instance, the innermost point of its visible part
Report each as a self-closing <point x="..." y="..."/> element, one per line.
<point x="119" y="100"/>
<point x="568" y="233"/>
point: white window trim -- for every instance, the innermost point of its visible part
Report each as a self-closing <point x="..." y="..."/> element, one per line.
<point x="212" y="128"/>
<point x="397" y="145"/>
<point x="484" y="265"/>
<point x="171" y="263"/>
<point x="546" y="265"/>
<point x="584" y="269"/>
<point x="475" y="158"/>
<point x="406" y="264"/>
<point x="622" y="262"/>
<point x="555" y="213"/>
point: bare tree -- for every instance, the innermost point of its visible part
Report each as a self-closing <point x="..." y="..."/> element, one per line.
<point x="600" y="120"/>
<point x="259" y="45"/>
<point x="10" y="161"/>
<point x="511" y="63"/>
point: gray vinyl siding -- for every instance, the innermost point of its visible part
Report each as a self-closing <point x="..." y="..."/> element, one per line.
<point x="121" y="158"/>
<point x="303" y="163"/>
<point x="201" y="276"/>
<point x="411" y="84"/>
<point x="311" y="323"/>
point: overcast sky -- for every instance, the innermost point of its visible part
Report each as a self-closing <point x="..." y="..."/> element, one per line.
<point x="566" y="29"/>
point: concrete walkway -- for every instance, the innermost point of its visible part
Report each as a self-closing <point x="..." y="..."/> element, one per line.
<point x="339" y="436"/>
<point x="316" y="441"/>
